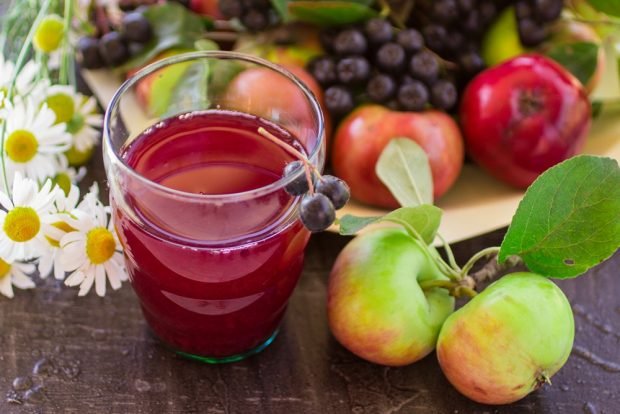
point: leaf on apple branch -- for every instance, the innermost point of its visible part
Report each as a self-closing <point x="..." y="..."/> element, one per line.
<point x="580" y="58"/>
<point x="421" y="222"/>
<point x="330" y="12"/>
<point x="569" y="219"/>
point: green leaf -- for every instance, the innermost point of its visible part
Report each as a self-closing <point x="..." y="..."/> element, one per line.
<point x="569" y="219"/>
<point x="330" y="13"/>
<point x="281" y="6"/>
<point x="580" y="58"/>
<point x="422" y="221"/>
<point x="191" y="88"/>
<point x="350" y="225"/>
<point x="610" y="7"/>
<point x="404" y="168"/>
<point x="173" y="26"/>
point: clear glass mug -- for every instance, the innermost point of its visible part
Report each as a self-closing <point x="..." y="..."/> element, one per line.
<point x="213" y="272"/>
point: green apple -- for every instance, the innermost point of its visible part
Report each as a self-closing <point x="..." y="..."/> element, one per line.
<point x="501" y="41"/>
<point x="508" y="340"/>
<point x="376" y="308"/>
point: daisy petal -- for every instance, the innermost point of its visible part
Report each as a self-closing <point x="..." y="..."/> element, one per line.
<point x="100" y="280"/>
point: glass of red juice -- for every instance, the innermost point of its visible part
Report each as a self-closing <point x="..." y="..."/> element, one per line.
<point x="213" y="243"/>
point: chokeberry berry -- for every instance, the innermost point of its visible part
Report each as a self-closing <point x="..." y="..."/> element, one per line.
<point x="317" y="212"/>
<point x="411" y="40"/>
<point x="531" y="32"/>
<point x="136" y="28"/>
<point x="323" y="69"/>
<point x="548" y="10"/>
<point x="88" y="48"/>
<point x="350" y="42"/>
<point x="378" y="31"/>
<point x="413" y="96"/>
<point x="424" y="66"/>
<point x="445" y="11"/>
<point x="391" y="57"/>
<point x="381" y="88"/>
<point x="338" y="100"/>
<point x="436" y="37"/>
<point x="353" y="70"/>
<point x="298" y="186"/>
<point x="471" y="62"/>
<point x="113" y="49"/>
<point x="444" y="95"/>
<point x="335" y="189"/>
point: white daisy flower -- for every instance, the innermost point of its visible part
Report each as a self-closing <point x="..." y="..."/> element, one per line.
<point x="50" y="259"/>
<point x="79" y="112"/>
<point x="27" y="219"/>
<point x="67" y="176"/>
<point x="33" y="144"/>
<point x="92" y="252"/>
<point x="25" y="80"/>
<point x="15" y="274"/>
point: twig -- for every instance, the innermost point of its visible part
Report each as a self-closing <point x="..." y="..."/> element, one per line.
<point x="492" y="268"/>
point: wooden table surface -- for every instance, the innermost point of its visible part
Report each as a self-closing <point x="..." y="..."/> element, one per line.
<point x="64" y="354"/>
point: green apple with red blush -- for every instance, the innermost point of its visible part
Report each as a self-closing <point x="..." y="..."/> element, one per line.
<point x="376" y="307"/>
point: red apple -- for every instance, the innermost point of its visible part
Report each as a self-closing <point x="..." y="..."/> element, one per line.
<point x="362" y="136"/>
<point x="263" y="92"/>
<point x="523" y="117"/>
<point x="209" y="8"/>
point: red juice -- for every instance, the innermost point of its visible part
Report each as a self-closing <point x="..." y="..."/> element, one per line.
<point x="213" y="269"/>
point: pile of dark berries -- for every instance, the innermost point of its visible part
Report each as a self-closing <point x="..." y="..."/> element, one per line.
<point x="254" y="15"/>
<point x="377" y="63"/>
<point x="114" y="47"/>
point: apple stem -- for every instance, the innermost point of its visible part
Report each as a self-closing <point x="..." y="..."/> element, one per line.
<point x="309" y="168"/>
<point x="490" y="251"/>
<point x="432" y="284"/>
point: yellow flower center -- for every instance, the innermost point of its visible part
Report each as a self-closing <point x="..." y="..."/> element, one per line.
<point x="62" y="105"/>
<point x="63" y="181"/>
<point x="22" y="224"/>
<point x="100" y="245"/>
<point x="49" y="34"/>
<point x="62" y="226"/>
<point x="5" y="268"/>
<point x="21" y="146"/>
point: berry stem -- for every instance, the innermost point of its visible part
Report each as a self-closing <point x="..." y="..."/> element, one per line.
<point x="309" y="168"/>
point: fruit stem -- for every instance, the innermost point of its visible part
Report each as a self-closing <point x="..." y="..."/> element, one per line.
<point x="449" y="253"/>
<point x="431" y="284"/>
<point x="308" y="167"/>
<point x="475" y="258"/>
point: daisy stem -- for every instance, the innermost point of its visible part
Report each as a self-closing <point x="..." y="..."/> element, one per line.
<point x="67" y="75"/>
<point x="19" y="64"/>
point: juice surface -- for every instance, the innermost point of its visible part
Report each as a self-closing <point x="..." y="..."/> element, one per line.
<point x="201" y="292"/>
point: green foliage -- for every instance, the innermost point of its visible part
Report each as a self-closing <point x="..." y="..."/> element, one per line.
<point x="580" y="58"/>
<point x="569" y="219"/>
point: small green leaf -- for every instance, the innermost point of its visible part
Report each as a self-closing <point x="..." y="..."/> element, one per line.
<point x="330" y="13"/>
<point x="281" y="6"/>
<point x="580" y="58"/>
<point x="173" y="26"/>
<point x="191" y="89"/>
<point x="424" y="219"/>
<point x="610" y="7"/>
<point x="350" y="225"/>
<point x="569" y="219"/>
<point x="404" y="168"/>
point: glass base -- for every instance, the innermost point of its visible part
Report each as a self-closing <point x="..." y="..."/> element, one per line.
<point x="232" y="358"/>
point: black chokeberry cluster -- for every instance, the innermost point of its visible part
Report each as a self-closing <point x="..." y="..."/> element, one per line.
<point x="254" y="15"/>
<point x="318" y="207"/>
<point x="534" y="18"/>
<point x="114" y="47"/>
<point x="454" y="29"/>
<point x="377" y="63"/>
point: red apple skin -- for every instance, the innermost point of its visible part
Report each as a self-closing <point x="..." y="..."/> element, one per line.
<point x="209" y="8"/>
<point x="261" y="91"/>
<point x="523" y="117"/>
<point x="363" y="134"/>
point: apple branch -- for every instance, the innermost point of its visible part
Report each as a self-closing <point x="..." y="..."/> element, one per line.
<point x="309" y="168"/>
